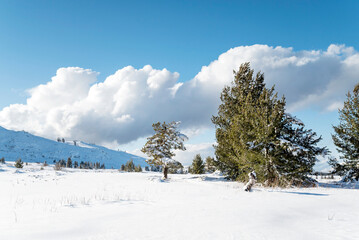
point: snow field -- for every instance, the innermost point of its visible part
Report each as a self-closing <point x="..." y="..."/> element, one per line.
<point x="108" y="204"/>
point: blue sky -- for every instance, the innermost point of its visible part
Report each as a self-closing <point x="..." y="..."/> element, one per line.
<point x="39" y="37"/>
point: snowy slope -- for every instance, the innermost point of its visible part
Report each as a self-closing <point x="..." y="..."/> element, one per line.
<point x="107" y="204"/>
<point x="30" y="148"/>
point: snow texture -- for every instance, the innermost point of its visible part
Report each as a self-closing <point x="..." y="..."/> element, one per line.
<point x="108" y="204"/>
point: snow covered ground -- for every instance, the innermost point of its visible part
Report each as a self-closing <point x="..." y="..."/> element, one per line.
<point x="108" y="204"/>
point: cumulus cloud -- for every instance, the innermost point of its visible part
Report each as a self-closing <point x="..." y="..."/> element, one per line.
<point x="122" y="108"/>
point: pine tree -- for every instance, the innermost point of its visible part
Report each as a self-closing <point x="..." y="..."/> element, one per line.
<point x="19" y="163"/>
<point x="197" y="166"/>
<point x="130" y="166"/>
<point x="62" y="163"/>
<point x="69" y="163"/>
<point x="254" y="133"/>
<point x="346" y="138"/>
<point x="210" y="164"/>
<point x="174" y="167"/>
<point x="123" y="168"/>
<point x="138" y="168"/>
<point x="160" y="146"/>
<point x="2" y="160"/>
<point x="57" y="166"/>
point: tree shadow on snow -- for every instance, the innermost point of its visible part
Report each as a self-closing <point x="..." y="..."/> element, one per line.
<point x="339" y="185"/>
<point x="209" y="179"/>
<point x="306" y="193"/>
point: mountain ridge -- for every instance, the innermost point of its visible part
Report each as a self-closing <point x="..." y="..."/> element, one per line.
<point x="31" y="148"/>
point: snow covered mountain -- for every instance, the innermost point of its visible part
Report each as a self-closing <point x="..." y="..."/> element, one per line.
<point x="30" y="148"/>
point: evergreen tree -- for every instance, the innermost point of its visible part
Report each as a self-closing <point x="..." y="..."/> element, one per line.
<point x="138" y="168"/>
<point x="254" y="133"/>
<point x="62" y="163"/>
<point x="123" y="168"/>
<point x="130" y="166"/>
<point x="174" y="167"/>
<point x="2" y="160"/>
<point x="57" y="166"/>
<point x="69" y="163"/>
<point x="98" y="165"/>
<point x="19" y="163"/>
<point x="160" y="146"/>
<point x="210" y="164"/>
<point x="346" y="138"/>
<point x="197" y="166"/>
<point x="76" y="164"/>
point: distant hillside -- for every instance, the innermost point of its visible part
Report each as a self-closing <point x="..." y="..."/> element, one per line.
<point x="30" y="148"/>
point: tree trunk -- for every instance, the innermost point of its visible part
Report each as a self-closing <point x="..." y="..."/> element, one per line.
<point x="165" y="172"/>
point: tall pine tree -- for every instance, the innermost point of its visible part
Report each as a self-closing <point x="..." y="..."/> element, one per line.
<point x="346" y="138"/>
<point x="254" y="133"/>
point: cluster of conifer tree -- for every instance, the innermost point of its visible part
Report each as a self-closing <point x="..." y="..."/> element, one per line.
<point x="60" y="140"/>
<point x="18" y="163"/>
<point x="131" y="167"/>
<point x="255" y="133"/>
<point x="200" y="167"/>
<point x="82" y="165"/>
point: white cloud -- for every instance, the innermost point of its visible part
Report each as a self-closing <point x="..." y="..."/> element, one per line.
<point x="335" y="106"/>
<point x="122" y="108"/>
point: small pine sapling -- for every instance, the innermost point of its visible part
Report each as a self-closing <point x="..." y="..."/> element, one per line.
<point x="197" y="166"/>
<point x="69" y="163"/>
<point x="19" y="163"/>
<point x="57" y="166"/>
